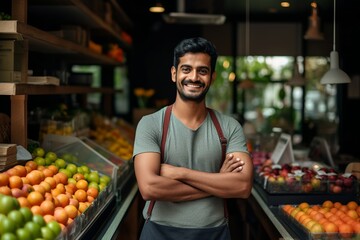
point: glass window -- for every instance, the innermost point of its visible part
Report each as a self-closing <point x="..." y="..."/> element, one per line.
<point x="266" y="100"/>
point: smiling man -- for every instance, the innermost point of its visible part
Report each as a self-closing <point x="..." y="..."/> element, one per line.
<point x="187" y="170"/>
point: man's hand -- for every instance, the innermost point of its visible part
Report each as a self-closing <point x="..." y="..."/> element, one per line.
<point x="232" y="164"/>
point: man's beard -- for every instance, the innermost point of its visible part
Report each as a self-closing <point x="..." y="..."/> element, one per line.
<point x="190" y="97"/>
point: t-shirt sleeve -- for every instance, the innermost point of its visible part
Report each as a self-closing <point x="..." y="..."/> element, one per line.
<point x="147" y="136"/>
<point x="236" y="136"/>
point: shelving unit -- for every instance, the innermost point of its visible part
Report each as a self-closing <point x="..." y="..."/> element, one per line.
<point x="40" y="41"/>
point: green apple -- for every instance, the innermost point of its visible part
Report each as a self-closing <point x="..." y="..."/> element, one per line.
<point x="38" y="152"/>
<point x="51" y="155"/>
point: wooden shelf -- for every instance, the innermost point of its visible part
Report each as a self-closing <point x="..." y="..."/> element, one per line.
<point x="76" y="12"/>
<point x="12" y="89"/>
<point x="41" y="41"/>
<point x="35" y="20"/>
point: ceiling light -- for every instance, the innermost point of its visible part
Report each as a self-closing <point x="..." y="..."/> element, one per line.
<point x="297" y="79"/>
<point x="157" y="8"/>
<point x="194" y="18"/>
<point x="285" y="4"/>
<point x="335" y="75"/>
<point x="313" y="32"/>
<point x="247" y="83"/>
<point x="181" y="17"/>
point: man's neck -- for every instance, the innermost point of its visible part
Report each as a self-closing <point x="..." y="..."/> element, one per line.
<point x="191" y="114"/>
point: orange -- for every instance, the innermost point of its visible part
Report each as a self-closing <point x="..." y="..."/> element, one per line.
<point x="304" y="205"/>
<point x="63" y="199"/>
<point x="82" y="207"/>
<point x="12" y="172"/>
<point x="94" y="192"/>
<point x="15" y="182"/>
<point x="344" y="208"/>
<point x="5" y="190"/>
<point x="54" y="169"/>
<point x="21" y="170"/>
<point x="51" y="181"/>
<point x="46" y="186"/>
<point x="61" y="177"/>
<point x="61" y="216"/>
<point x="316" y="228"/>
<point x="337" y="204"/>
<point x="309" y="224"/>
<point x="47" y="207"/>
<point x="327" y="204"/>
<point x="90" y="199"/>
<point x="55" y="192"/>
<point x="330" y="227"/>
<point x="318" y="216"/>
<point x="70" y="188"/>
<point x="49" y="218"/>
<point x="71" y="211"/>
<point x="31" y="164"/>
<point x="356" y="227"/>
<point x="36" y="210"/>
<point x="352" y="205"/>
<point x="39" y="188"/>
<point x="345" y="230"/>
<point x="35" y="177"/>
<point x="82" y="184"/>
<point x="23" y="202"/>
<point x="352" y="213"/>
<point x="48" y="172"/>
<point x="75" y="202"/>
<point x="61" y="187"/>
<point x="35" y="198"/>
<point x="81" y="195"/>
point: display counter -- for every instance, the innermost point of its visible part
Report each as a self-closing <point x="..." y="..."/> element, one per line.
<point x="109" y="222"/>
<point x="262" y="220"/>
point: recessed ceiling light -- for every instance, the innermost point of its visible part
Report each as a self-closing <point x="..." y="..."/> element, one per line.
<point x="157" y="8"/>
<point x="285" y="4"/>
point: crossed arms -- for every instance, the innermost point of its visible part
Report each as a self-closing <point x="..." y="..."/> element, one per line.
<point x="165" y="182"/>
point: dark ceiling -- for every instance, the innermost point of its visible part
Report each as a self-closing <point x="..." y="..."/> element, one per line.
<point x="234" y="10"/>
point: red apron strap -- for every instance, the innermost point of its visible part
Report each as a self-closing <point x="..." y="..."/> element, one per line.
<point x="162" y="150"/>
<point x="223" y="142"/>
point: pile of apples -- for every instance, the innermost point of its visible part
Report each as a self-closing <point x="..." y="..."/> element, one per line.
<point x="295" y="178"/>
<point x="53" y="188"/>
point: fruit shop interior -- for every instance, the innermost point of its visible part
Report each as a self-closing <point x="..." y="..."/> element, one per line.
<point x="111" y="63"/>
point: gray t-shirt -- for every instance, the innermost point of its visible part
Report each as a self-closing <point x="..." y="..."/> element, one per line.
<point x="198" y="149"/>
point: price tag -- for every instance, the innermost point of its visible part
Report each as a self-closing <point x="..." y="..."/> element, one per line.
<point x="283" y="152"/>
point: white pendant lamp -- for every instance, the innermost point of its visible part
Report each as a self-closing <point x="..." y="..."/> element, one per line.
<point x="335" y="75"/>
<point x="247" y="83"/>
<point x="313" y="32"/>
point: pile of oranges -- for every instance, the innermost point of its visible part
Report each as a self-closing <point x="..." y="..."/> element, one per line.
<point x="332" y="218"/>
<point x="48" y="191"/>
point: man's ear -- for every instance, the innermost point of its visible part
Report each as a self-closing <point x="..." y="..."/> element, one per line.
<point x="173" y="74"/>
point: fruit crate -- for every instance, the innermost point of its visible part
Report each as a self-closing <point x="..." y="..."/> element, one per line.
<point x="83" y="154"/>
<point x="124" y="167"/>
<point x="304" y="233"/>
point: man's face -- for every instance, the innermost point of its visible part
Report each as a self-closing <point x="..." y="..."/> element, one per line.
<point x="193" y="76"/>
